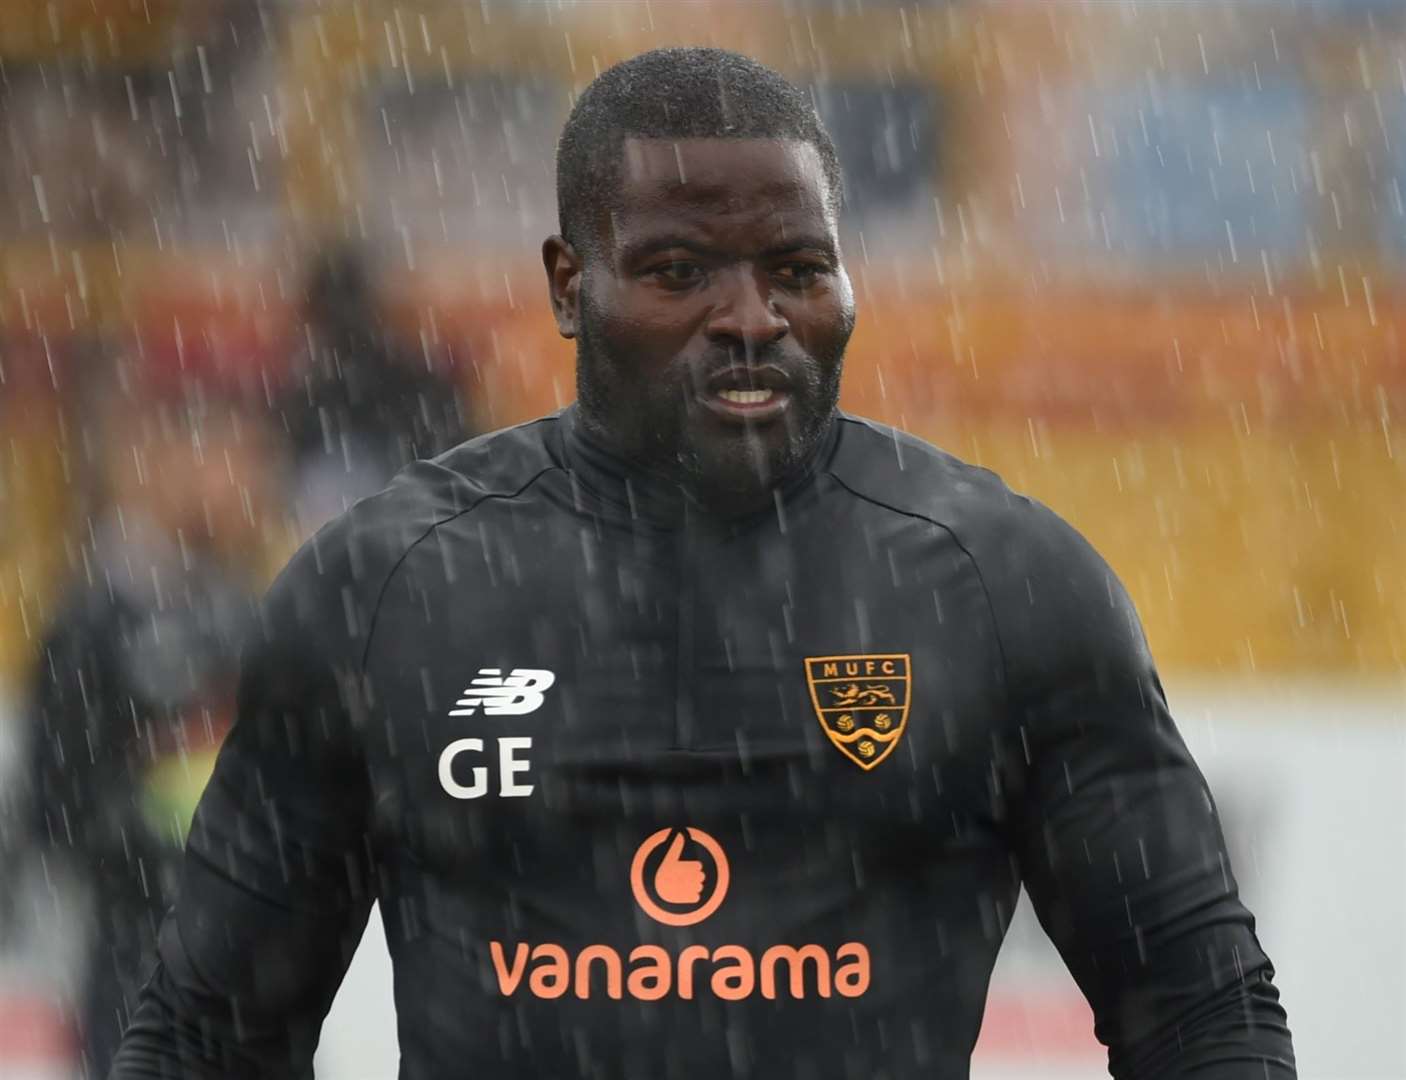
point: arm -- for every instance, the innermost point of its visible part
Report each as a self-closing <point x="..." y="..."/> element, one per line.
<point x="59" y="809"/>
<point x="276" y="885"/>
<point x="86" y="724"/>
<point x="1118" y="838"/>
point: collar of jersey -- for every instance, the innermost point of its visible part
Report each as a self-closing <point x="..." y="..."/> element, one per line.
<point x="647" y="496"/>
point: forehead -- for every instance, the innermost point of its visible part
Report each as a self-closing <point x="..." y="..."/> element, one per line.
<point x="703" y="180"/>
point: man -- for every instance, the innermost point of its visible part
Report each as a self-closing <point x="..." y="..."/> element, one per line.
<point x="699" y="730"/>
<point x="358" y="410"/>
<point x="136" y="681"/>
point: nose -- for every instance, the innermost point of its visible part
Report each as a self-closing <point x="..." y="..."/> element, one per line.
<point x="745" y="314"/>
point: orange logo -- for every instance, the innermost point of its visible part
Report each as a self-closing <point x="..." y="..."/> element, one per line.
<point x="674" y="889"/>
<point x="861" y="702"/>
<point x="680" y="884"/>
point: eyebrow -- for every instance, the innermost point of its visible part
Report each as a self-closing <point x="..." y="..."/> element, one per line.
<point x="642" y="249"/>
<point x="824" y="245"/>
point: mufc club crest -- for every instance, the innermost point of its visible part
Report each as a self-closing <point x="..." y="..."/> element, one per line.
<point x="861" y="702"/>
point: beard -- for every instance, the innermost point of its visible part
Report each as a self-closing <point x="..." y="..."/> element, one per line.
<point x="650" y="414"/>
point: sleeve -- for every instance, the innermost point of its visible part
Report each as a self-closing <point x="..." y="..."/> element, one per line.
<point x="277" y="882"/>
<point x="1118" y="838"/>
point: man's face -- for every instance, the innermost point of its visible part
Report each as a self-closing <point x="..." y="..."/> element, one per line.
<point x="712" y="315"/>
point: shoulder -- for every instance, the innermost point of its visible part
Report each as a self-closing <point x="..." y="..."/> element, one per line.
<point x="892" y="468"/>
<point x="1053" y="597"/>
<point x="498" y="464"/>
<point x="336" y="577"/>
<point x="907" y="475"/>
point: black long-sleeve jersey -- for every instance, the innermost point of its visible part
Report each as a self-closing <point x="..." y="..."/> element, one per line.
<point x="644" y="792"/>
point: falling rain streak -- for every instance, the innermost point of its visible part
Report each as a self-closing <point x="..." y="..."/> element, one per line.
<point x="1145" y="261"/>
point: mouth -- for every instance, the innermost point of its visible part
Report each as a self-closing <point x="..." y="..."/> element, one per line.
<point x="747" y="395"/>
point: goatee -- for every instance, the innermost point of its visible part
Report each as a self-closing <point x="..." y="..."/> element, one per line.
<point x="652" y="417"/>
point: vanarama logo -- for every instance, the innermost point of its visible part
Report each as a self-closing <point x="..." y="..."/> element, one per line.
<point x="679" y="877"/>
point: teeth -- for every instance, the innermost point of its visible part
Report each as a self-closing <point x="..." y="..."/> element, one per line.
<point x="746" y="397"/>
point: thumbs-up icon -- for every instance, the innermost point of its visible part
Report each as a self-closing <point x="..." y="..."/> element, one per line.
<point x="663" y="884"/>
<point x="678" y="880"/>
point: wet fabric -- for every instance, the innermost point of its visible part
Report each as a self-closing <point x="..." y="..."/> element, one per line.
<point x="645" y="792"/>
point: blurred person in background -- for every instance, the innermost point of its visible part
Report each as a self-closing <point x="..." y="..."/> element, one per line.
<point x="359" y="407"/>
<point x="134" y="688"/>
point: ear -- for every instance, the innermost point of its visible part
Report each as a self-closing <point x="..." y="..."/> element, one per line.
<point x="563" y="268"/>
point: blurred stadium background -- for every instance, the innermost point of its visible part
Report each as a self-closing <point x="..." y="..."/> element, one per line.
<point x="1146" y="260"/>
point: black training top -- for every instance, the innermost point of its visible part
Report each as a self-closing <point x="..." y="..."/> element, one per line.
<point x="645" y="793"/>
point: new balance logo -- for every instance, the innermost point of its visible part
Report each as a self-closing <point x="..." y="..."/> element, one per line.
<point x="520" y="691"/>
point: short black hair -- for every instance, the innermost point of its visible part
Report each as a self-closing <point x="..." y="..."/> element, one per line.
<point x="675" y="93"/>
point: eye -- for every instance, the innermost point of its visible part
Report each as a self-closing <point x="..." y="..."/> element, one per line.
<point x="799" y="274"/>
<point x="677" y="273"/>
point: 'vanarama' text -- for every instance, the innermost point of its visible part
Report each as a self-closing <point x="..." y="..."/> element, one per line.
<point x="650" y="972"/>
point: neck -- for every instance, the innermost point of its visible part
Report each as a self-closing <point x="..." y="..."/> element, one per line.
<point x="671" y="488"/>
